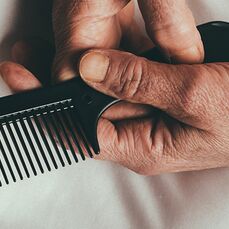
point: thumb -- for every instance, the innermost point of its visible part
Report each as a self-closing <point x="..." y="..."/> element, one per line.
<point x="179" y="90"/>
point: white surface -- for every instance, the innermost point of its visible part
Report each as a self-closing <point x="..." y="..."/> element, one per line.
<point x="102" y="195"/>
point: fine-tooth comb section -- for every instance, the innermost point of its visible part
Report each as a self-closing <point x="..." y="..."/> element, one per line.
<point x="53" y="127"/>
<point x="40" y="139"/>
<point x="36" y="137"/>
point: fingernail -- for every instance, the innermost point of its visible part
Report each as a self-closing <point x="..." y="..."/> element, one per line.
<point x="191" y="55"/>
<point x="94" y="66"/>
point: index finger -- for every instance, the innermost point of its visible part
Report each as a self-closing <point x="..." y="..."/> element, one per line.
<point x="171" y="25"/>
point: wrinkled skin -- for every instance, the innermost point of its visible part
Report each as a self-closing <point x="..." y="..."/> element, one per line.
<point x="191" y="130"/>
<point x="80" y="25"/>
<point x="188" y="130"/>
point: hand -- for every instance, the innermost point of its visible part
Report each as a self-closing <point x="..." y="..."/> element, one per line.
<point x="80" y="25"/>
<point x="190" y="130"/>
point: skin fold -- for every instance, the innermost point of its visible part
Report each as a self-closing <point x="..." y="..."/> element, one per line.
<point x="175" y="117"/>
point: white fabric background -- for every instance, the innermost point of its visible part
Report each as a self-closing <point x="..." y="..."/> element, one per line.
<point x="103" y="195"/>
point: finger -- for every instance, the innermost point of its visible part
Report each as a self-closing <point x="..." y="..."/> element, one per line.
<point x="125" y="110"/>
<point x="17" y="77"/>
<point x="36" y="55"/>
<point x="133" y="38"/>
<point x="80" y="25"/>
<point x="134" y="144"/>
<point x="171" y="26"/>
<point x="190" y="93"/>
<point x="152" y="146"/>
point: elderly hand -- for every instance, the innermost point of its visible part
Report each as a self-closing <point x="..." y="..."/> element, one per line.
<point x="189" y="132"/>
<point x="143" y="142"/>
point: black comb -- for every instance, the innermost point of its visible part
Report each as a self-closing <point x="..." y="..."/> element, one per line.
<point x="51" y="127"/>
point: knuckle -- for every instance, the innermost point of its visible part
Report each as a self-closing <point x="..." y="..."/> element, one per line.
<point x="131" y="79"/>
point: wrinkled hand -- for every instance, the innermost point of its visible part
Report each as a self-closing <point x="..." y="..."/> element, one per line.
<point x="82" y="25"/>
<point x="191" y="129"/>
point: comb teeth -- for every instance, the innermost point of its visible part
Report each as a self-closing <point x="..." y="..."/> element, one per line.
<point x="40" y="139"/>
